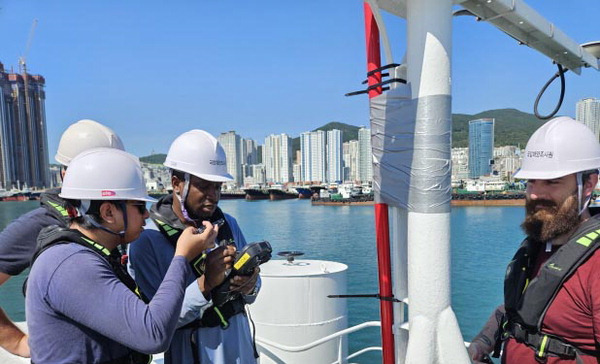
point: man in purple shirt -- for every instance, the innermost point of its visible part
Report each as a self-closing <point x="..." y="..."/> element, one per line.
<point x="81" y="305"/>
<point x="18" y="240"/>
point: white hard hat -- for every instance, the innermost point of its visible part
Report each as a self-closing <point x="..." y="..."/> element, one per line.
<point x="558" y="148"/>
<point x="105" y="174"/>
<point x="198" y="153"/>
<point x="82" y="135"/>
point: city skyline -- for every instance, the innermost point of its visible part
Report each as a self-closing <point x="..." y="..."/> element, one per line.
<point x="257" y="144"/>
<point x="157" y="70"/>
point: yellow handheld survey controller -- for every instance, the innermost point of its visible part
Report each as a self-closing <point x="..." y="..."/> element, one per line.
<point x="251" y="256"/>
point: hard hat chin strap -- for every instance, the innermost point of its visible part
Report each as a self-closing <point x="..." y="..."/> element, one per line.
<point x="183" y="197"/>
<point x="581" y="204"/>
<point x="84" y="207"/>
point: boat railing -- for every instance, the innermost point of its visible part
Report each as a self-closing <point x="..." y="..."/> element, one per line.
<point x="337" y="335"/>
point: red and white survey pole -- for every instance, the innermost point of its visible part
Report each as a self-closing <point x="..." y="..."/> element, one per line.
<point x="381" y="209"/>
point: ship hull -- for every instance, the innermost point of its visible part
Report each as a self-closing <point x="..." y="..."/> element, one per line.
<point x="275" y="195"/>
<point x="253" y="194"/>
<point x="304" y="192"/>
<point x="232" y="195"/>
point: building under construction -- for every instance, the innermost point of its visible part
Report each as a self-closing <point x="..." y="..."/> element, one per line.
<point x="23" y="136"/>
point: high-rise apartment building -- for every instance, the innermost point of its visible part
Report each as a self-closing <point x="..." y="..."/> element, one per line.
<point x="255" y="174"/>
<point x="588" y="112"/>
<point x="277" y="158"/>
<point x="460" y="163"/>
<point x="481" y="147"/>
<point x="351" y="160"/>
<point x="507" y="160"/>
<point x="23" y="136"/>
<point x="249" y="151"/>
<point x="296" y="172"/>
<point x="365" y="156"/>
<point x="313" y="150"/>
<point x="334" y="156"/>
<point x="231" y="142"/>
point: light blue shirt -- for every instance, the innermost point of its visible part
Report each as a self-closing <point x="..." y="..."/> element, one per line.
<point x="149" y="258"/>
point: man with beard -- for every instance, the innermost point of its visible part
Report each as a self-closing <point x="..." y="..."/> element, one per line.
<point x="551" y="310"/>
<point x="209" y="331"/>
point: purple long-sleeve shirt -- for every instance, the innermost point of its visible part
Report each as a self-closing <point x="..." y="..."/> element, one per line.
<point x="78" y="311"/>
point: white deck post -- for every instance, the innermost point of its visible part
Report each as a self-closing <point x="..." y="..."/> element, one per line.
<point x="434" y="333"/>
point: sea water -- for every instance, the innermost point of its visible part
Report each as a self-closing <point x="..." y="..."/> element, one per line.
<point x="483" y="241"/>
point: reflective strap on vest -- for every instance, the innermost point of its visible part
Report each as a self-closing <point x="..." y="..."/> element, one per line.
<point x="59" y="208"/>
<point x="224" y="322"/>
<point x="543" y="344"/>
<point x="168" y="229"/>
<point x="98" y="247"/>
<point x="218" y="316"/>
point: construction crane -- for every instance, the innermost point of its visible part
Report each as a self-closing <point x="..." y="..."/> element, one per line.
<point x="23" y="63"/>
<point x="22" y="59"/>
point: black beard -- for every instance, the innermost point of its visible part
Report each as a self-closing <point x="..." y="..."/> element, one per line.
<point x="195" y="216"/>
<point x="551" y="221"/>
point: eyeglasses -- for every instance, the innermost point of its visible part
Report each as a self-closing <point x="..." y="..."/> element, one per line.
<point x="141" y="206"/>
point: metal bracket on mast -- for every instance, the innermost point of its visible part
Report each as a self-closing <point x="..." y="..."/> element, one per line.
<point x="373" y="4"/>
<point x="528" y="27"/>
<point x="523" y="23"/>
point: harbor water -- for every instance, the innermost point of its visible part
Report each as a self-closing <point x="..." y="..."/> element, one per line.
<point x="483" y="241"/>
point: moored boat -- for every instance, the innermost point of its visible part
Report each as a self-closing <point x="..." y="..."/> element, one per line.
<point x="16" y="197"/>
<point x="233" y="195"/>
<point x="253" y="194"/>
<point x="304" y="192"/>
<point x="276" y="192"/>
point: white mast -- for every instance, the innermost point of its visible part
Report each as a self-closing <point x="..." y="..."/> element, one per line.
<point x="413" y="175"/>
<point x="434" y="333"/>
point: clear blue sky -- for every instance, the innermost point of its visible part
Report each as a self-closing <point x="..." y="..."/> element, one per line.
<point x="154" y="69"/>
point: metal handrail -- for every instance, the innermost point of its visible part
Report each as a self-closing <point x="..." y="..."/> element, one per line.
<point x="362" y="351"/>
<point x="295" y="349"/>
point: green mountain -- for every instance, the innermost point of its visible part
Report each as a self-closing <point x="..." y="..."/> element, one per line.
<point x="154" y="158"/>
<point x="512" y="127"/>
<point x="349" y="132"/>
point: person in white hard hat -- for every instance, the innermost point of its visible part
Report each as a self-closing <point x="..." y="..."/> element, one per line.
<point x="81" y="305"/>
<point x="551" y="310"/>
<point x="18" y="239"/>
<point x="209" y="331"/>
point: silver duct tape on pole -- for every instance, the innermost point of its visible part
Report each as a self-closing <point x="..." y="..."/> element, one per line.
<point x="411" y="151"/>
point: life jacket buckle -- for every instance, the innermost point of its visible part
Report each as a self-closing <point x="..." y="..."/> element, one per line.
<point x="541" y="359"/>
<point x="225" y="325"/>
<point x="541" y="351"/>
